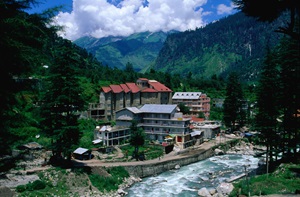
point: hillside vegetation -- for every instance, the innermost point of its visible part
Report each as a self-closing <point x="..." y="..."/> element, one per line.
<point x="139" y="49"/>
<point x="236" y="43"/>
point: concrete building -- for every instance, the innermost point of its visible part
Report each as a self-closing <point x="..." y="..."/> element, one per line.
<point x="111" y="136"/>
<point x="116" y="97"/>
<point x="196" y="101"/>
<point x="209" y="129"/>
<point x="158" y="121"/>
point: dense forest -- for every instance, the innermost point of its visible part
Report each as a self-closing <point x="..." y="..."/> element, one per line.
<point x="47" y="82"/>
<point x="235" y="43"/>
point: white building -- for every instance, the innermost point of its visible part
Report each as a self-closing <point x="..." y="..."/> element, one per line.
<point x="196" y="101"/>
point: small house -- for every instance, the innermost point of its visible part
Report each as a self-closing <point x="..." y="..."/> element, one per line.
<point x="82" y="154"/>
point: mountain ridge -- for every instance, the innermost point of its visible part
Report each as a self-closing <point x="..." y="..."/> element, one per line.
<point x="139" y="49"/>
<point x="234" y="43"/>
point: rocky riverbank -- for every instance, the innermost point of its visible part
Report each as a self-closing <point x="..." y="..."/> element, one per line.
<point x="26" y="171"/>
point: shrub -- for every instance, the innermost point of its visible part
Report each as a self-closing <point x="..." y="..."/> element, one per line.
<point x="21" y="188"/>
<point x="38" y="184"/>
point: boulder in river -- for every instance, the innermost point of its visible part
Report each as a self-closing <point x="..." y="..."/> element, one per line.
<point x="225" y="188"/>
<point x="203" y="192"/>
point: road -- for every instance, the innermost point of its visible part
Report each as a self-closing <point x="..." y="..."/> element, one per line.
<point x="168" y="157"/>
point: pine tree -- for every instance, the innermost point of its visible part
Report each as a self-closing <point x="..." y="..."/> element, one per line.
<point x="289" y="60"/>
<point x="21" y="42"/>
<point x="63" y="103"/>
<point x="268" y="104"/>
<point x="233" y="108"/>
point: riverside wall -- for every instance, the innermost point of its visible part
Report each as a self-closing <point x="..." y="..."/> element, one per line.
<point x="162" y="166"/>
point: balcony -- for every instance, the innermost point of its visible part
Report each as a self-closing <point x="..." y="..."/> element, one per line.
<point x="96" y="106"/>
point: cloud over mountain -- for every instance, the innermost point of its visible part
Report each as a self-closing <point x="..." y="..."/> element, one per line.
<point x="101" y="18"/>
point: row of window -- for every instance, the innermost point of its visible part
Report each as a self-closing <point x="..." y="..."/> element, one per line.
<point x="164" y="123"/>
<point x="167" y="131"/>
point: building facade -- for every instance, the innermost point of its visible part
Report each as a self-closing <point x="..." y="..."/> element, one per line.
<point x="196" y="101"/>
<point x="116" y="97"/>
<point x="209" y="129"/>
<point x="159" y="122"/>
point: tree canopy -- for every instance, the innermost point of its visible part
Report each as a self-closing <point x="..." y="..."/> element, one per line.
<point x="272" y="9"/>
<point x="233" y="104"/>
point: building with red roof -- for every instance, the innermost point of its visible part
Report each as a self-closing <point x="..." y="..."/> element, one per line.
<point x="115" y="97"/>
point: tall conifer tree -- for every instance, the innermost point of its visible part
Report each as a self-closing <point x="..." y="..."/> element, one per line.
<point x="268" y="92"/>
<point x="233" y="108"/>
<point x="63" y="103"/>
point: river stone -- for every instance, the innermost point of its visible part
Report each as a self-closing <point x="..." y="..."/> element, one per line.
<point x="219" y="152"/>
<point x="122" y="192"/>
<point x="203" y="192"/>
<point x="212" y="191"/>
<point x="225" y="188"/>
<point x="177" y="166"/>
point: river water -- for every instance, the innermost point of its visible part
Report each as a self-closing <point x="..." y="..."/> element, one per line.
<point x="186" y="181"/>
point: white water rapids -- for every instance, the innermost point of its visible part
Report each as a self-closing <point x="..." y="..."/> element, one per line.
<point x="186" y="181"/>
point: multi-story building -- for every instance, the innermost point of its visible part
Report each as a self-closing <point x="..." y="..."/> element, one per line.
<point x="161" y="121"/>
<point x="196" y="101"/>
<point x="116" y="97"/>
<point x="110" y="136"/>
<point x="158" y="121"/>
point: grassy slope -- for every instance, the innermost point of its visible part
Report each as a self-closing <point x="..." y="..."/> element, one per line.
<point x="284" y="180"/>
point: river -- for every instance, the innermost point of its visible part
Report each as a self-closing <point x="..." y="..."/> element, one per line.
<point x="187" y="180"/>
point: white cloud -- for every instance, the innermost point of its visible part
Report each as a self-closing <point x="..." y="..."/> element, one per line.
<point x="100" y="18"/>
<point x="224" y="9"/>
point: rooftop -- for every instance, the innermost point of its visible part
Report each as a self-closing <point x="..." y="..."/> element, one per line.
<point x="157" y="108"/>
<point x="116" y="88"/>
<point x="133" y="87"/>
<point x="125" y="88"/>
<point x="159" y="86"/>
<point x="186" y="95"/>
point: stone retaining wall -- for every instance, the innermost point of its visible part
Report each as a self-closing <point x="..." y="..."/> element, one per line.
<point x="153" y="169"/>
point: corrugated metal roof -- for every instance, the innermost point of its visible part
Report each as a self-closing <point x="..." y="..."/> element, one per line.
<point x="156" y="108"/>
<point x="134" y="109"/>
<point x="80" y="151"/>
<point x="186" y="95"/>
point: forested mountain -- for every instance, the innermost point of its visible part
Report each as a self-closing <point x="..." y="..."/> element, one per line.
<point x="139" y="49"/>
<point x="235" y="43"/>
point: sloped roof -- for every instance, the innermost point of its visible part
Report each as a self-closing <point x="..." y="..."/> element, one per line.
<point x="133" y="87"/>
<point x="186" y="95"/>
<point x="159" y="86"/>
<point x="134" y="109"/>
<point x="106" y="89"/>
<point x="148" y="90"/>
<point x="156" y="108"/>
<point x="116" y="88"/>
<point x="80" y="151"/>
<point x="125" y="88"/>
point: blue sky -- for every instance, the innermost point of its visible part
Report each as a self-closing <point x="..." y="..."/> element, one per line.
<point x="101" y="18"/>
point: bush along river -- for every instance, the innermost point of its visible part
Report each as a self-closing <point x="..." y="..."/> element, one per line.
<point x="188" y="180"/>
